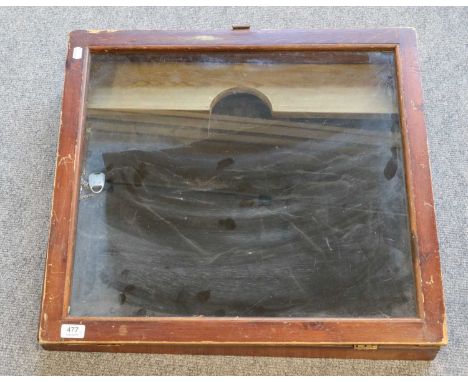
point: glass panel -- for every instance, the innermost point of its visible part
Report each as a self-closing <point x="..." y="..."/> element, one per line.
<point x="243" y="184"/>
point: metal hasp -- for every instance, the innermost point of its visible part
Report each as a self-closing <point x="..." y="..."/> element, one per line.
<point x="241" y="27"/>
<point x="96" y="182"/>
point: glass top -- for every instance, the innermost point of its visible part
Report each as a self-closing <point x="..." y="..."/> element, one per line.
<point x="266" y="184"/>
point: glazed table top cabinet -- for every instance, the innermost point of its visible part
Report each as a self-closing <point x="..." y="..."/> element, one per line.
<point x="244" y="193"/>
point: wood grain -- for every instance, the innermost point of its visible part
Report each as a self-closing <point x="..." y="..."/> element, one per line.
<point x="347" y="352"/>
<point x="193" y="126"/>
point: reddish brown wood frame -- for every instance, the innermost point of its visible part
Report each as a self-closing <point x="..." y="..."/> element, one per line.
<point x="403" y="338"/>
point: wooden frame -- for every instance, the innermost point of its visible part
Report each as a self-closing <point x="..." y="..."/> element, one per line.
<point x="403" y="338"/>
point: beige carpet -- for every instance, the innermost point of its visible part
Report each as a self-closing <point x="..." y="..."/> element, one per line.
<point x="33" y="45"/>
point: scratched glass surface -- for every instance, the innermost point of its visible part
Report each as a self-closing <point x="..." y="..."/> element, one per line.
<point x="243" y="184"/>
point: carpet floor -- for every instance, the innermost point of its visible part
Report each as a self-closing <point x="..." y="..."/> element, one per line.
<point x="33" y="44"/>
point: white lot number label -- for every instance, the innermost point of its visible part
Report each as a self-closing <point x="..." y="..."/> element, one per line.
<point x="72" y="331"/>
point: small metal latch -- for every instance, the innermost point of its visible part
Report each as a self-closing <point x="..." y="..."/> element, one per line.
<point x="96" y="182"/>
<point x="240" y="27"/>
<point x="365" y="347"/>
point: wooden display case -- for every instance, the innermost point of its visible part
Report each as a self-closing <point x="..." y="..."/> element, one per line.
<point x="244" y="193"/>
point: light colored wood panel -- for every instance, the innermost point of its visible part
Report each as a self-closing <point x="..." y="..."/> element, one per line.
<point x="300" y="88"/>
<point x="330" y="100"/>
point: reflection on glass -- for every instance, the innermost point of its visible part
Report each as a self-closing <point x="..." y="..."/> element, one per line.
<point x="246" y="184"/>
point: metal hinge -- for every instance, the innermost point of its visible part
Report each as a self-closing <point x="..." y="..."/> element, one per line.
<point x="365" y="347"/>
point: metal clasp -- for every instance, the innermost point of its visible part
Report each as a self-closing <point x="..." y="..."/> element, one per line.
<point x="240" y="27"/>
<point x="365" y="347"/>
<point x="96" y="182"/>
